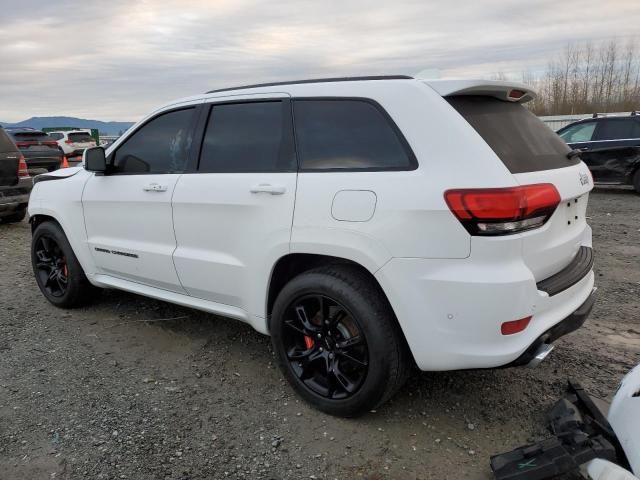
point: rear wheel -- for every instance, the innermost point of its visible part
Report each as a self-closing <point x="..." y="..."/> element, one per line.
<point x="57" y="270"/>
<point x="636" y="181"/>
<point x="337" y="341"/>
<point x="15" y="217"/>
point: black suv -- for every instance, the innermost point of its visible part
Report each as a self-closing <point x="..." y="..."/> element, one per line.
<point x="39" y="149"/>
<point x="15" y="182"/>
<point x="610" y="146"/>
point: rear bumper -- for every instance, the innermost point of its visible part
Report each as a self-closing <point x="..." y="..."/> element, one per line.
<point x="451" y="310"/>
<point x="15" y="198"/>
<point x="568" y="325"/>
<point x="48" y="163"/>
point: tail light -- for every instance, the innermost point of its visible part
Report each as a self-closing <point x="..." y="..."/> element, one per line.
<point x="25" y="144"/>
<point x="50" y="143"/>
<point x="68" y="142"/>
<point x="502" y="211"/>
<point x="23" y="170"/>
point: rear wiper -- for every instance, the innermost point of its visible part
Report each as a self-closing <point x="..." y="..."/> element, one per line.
<point x="573" y="153"/>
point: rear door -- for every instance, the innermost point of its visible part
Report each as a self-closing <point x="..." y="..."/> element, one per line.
<point x="128" y="213"/>
<point x="535" y="154"/>
<point x="233" y="217"/>
<point x="81" y="140"/>
<point x="9" y="158"/>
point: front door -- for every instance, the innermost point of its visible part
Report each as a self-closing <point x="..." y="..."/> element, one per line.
<point x="128" y="211"/>
<point x="233" y="217"/>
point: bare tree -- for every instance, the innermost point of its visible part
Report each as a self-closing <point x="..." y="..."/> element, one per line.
<point x="589" y="78"/>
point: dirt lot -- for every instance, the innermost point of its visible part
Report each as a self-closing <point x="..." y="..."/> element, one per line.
<point x="140" y="389"/>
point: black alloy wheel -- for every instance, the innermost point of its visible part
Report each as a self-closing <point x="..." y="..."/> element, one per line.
<point x="325" y="346"/>
<point x="51" y="266"/>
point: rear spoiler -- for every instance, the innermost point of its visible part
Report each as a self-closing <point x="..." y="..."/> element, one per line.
<point x="506" y="91"/>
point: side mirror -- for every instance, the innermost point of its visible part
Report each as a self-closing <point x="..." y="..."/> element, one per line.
<point x="94" y="160"/>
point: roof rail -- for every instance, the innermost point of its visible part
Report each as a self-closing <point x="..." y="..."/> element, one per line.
<point x="315" y="80"/>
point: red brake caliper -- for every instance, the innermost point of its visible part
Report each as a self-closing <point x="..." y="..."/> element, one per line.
<point x="308" y="342"/>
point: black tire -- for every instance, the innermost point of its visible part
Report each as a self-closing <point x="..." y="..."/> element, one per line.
<point x="15" y="217"/>
<point x="57" y="270"/>
<point x="357" y="299"/>
<point x="636" y="181"/>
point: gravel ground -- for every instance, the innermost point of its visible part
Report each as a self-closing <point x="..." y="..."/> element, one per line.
<point x="140" y="389"/>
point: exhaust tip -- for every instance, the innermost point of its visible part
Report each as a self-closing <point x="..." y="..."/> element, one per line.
<point x="541" y="353"/>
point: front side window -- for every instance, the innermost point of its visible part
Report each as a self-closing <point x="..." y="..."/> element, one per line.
<point x="347" y="134"/>
<point x="248" y="137"/>
<point x="583" y="132"/>
<point x="160" y="146"/>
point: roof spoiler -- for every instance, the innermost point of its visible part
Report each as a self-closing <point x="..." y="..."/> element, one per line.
<point x="506" y="91"/>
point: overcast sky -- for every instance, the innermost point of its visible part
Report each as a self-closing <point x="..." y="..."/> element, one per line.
<point x="116" y="60"/>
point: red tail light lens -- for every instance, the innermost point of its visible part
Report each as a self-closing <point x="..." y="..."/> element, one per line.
<point x="50" y="143"/>
<point x="515" y="326"/>
<point x="23" y="170"/>
<point x="68" y="142"/>
<point x="501" y="211"/>
<point x="25" y="144"/>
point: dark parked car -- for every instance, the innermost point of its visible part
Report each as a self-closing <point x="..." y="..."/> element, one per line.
<point x="39" y="149"/>
<point x="610" y="146"/>
<point x="15" y="182"/>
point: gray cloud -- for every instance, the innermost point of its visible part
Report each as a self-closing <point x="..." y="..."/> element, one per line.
<point x="117" y="60"/>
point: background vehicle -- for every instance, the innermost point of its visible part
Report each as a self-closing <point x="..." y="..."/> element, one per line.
<point x="39" y="149"/>
<point x="15" y="182"/>
<point x="603" y="132"/>
<point x="73" y="143"/>
<point x="370" y="242"/>
<point x="610" y="146"/>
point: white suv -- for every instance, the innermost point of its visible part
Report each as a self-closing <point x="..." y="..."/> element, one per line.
<point x="74" y="142"/>
<point x="364" y="223"/>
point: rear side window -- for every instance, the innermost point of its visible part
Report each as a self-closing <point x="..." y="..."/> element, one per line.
<point x="337" y="134"/>
<point x="522" y="141"/>
<point x="248" y="137"/>
<point x="80" y="137"/>
<point x="616" y="129"/>
<point x="6" y="144"/>
<point x="160" y="146"/>
<point x="582" y="132"/>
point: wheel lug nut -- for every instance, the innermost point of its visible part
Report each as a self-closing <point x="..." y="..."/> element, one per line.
<point x="321" y="349"/>
<point x="319" y="335"/>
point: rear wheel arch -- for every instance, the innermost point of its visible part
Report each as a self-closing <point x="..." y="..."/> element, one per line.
<point x="291" y="265"/>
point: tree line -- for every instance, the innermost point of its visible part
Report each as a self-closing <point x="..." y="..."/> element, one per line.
<point x="589" y="78"/>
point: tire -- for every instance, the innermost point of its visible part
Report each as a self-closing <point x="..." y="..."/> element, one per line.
<point x="636" y="181"/>
<point x="15" y="217"/>
<point x="57" y="270"/>
<point x="366" y="323"/>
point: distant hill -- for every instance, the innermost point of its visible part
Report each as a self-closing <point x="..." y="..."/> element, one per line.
<point x="105" y="128"/>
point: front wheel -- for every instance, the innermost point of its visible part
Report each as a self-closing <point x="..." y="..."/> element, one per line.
<point x="337" y="340"/>
<point x="57" y="270"/>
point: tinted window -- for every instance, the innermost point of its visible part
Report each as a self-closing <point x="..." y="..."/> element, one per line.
<point x="522" y="141"/>
<point x="56" y="136"/>
<point x="247" y="137"/>
<point x="347" y="134"/>
<point x="581" y="132"/>
<point x="615" y="129"/>
<point x="6" y="145"/>
<point x="160" y="146"/>
<point x="80" y="137"/>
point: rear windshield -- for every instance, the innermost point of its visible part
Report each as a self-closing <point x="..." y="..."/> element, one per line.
<point x="26" y="136"/>
<point x="522" y="141"/>
<point x="6" y="145"/>
<point x="80" y="137"/>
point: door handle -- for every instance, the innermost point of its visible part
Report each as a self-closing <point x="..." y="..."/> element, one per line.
<point x="266" y="188"/>
<point x="154" y="187"/>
